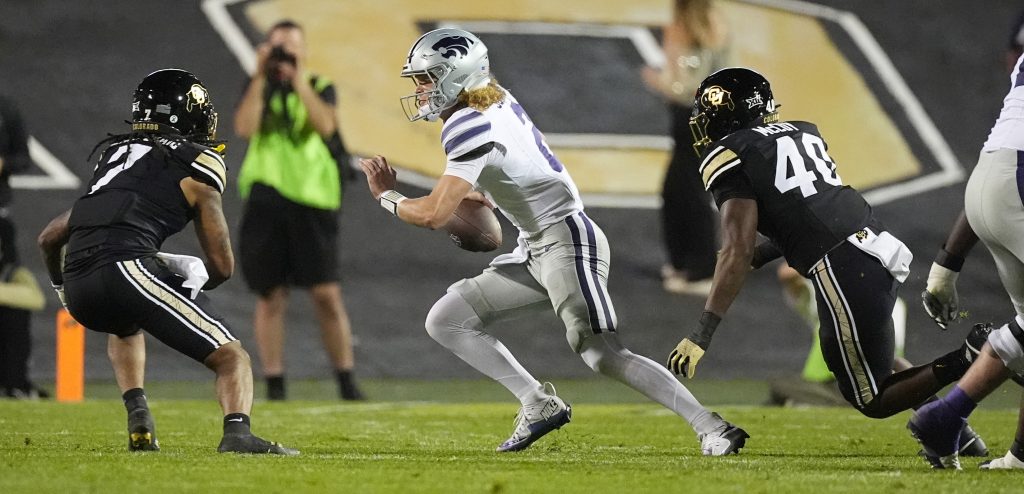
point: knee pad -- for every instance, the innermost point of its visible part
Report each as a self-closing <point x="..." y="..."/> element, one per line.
<point x="1008" y="343"/>
<point x="450" y="314"/>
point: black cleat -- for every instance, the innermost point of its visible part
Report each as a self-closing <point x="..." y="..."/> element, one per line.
<point x="250" y="444"/>
<point x="352" y="393"/>
<point x="971" y="443"/>
<point x="976" y="339"/>
<point x="141" y="431"/>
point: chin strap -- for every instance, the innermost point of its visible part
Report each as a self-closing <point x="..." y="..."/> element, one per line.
<point x="427" y="115"/>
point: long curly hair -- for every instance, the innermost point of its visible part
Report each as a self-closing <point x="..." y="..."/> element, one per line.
<point x="482" y="98"/>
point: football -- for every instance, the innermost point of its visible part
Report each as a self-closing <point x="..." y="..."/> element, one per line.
<point x="474" y="227"/>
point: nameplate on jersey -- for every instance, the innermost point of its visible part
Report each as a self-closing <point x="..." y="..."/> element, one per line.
<point x="776" y="128"/>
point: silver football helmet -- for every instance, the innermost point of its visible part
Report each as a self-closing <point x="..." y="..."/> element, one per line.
<point x="453" y="59"/>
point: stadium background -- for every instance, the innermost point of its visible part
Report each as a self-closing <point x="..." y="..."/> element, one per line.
<point x="71" y="67"/>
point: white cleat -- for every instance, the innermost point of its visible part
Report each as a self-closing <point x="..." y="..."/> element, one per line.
<point x="724" y="440"/>
<point x="1008" y="462"/>
<point x="534" y="421"/>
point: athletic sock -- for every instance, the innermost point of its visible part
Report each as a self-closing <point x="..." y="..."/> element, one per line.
<point x="958" y="401"/>
<point x="453" y="323"/>
<point x="236" y="423"/>
<point x="275" y="387"/>
<point x="134" y="399"/>
<point x="603" y="353"/>
<point x="950" y="367"/>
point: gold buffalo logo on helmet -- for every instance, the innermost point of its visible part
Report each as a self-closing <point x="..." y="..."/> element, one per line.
<point x="197" y="95"/>
<point x="716" y="96"/>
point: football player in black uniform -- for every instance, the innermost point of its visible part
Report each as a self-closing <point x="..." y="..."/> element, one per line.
<point x="777" y="178"/>
<point x="147" y="186"/>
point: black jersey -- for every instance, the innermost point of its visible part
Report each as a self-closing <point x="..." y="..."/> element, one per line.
<point x="802" y="205"/>
<point x="134" y="200"/>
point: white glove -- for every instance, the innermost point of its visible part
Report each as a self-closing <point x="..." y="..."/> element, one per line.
<point x="189" y="267"/>
<point x="939" y="298"/>
<point x="60" y="293"/>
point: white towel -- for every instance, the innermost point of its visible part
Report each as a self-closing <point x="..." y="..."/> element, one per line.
<point x="188" y="267"/>
<point x="889" y="250"/>
<point x="518" y="255"/>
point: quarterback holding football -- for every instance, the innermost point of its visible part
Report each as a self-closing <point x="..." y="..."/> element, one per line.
<point x="496" y="154"/>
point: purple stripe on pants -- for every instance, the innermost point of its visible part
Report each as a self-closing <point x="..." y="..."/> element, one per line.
<point x="581" y="274"/>
<point x="1020" y="176"/>
<point x="591" y="238"/>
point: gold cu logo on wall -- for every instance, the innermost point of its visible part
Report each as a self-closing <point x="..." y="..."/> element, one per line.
<point x="716" y="96"/>
<point x="197" y="95"/>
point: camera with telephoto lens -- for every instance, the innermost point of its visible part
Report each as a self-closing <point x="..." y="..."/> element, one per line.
<point x="276" y="58"/>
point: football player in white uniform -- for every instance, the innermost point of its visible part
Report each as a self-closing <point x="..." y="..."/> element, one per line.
<point x="993" y="212"/>
<point x="496" y="155"/>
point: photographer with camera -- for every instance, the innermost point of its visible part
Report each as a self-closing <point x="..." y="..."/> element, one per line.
<point x="291" y="181"/>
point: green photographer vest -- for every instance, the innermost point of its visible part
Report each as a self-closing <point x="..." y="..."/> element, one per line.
<point x="289" y="155"/>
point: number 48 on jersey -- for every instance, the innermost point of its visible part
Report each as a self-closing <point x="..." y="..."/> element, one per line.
<point x="791" y="170"/>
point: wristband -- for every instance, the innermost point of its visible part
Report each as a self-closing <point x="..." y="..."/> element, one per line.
<point x="389" y="200"/>
<point x="708" y="324"/>
<point x="949" y="260"/>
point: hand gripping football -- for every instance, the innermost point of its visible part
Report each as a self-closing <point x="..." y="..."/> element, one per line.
<point x="474" y="227"/>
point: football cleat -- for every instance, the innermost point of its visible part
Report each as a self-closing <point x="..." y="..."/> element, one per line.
<point x="938" y="432"/>
<point x="726" y="439"/>
<point x="975" y="340"/>
<point x="141" y="431"/>
<point x="250" y="444"/>
<point x="971" y="443"/>
<point x="534" y="421"/>
<point x="1008" y="462"/>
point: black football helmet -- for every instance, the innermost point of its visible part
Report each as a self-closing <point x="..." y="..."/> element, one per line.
<point x="729" y="100"/>
<point x="174" y="101"/>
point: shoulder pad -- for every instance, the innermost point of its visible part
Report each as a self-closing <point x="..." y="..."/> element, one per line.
<point x="210" y="169"/>
<point x="717" y="162"/>
<point x="465" y="131"/>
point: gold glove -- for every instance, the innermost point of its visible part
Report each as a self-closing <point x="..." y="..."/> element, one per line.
<point x="683" y="359"/>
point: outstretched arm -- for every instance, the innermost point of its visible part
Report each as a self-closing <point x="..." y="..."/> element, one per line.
<point x="940" y="299"/>
<point x="432" y="211"/>
<point x="739" y="233"/>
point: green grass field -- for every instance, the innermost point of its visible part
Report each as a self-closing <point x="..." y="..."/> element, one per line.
<point x="401" y="442"/>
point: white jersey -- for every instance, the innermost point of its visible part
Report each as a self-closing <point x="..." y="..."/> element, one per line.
<point x="503" y="155"/>
<point x="1008" y="132"/>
